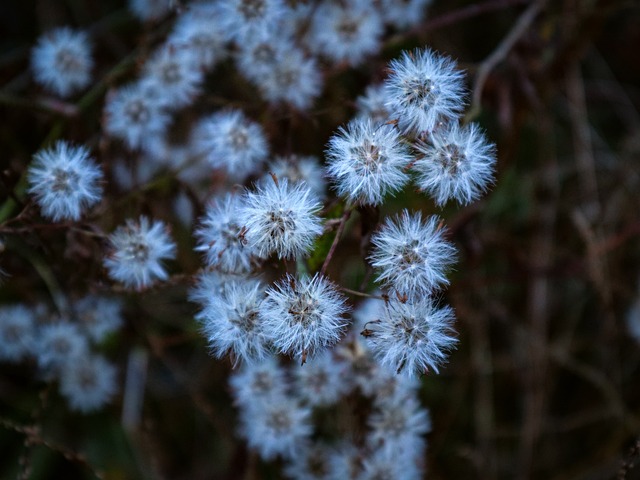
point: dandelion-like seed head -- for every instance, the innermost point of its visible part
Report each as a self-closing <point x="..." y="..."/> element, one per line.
<point x="303" y="315"/>
<point x="281" y="218"/>
<point x="61" y="61"/>
<point x="457" y="164"/>
<point x="411" y="255"/>
<point x="137" y="252"/>
<point x="412" y="337"/>
<point x="65" y="181"/>
<point x="423" y="89"/>
<point x="366" y="162"/>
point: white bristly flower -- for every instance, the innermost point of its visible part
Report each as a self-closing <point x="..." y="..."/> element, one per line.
<point x="411" y="256"/>
<point x="366" y="161"/>
<point x="151" y="10"/>
<point x="294" y="79"/>
<point x="303" y="315"/>
<point x="231" y="323"/>
<point x="173" y="76"/>
<point x="242" y="19"/>
<point x="135" y="116"/>
<point x="321" y="381"/>
<point x="257" y="383"/>
<point x="346" y="31"/>
<point x="280" y="218"/>
<point x="276" y="427"/>
<point x="219" y="237"/>
<point x="198" y="29"/>
<point x="457" y="164"/>
<point x="65" y="181"/>
<point x="423" y="89"/>
<point x="88" y="384"/>
<point x="61" y="61"/>
<point x="17" y="332"/>
<point x="231" y="142"/>
<point x="137" y="252"/>
<point x="412" y="337"/>
<point x="59" y="343"/>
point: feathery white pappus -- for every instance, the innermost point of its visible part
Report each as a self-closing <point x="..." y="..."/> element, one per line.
<point x="458" y="163"/>
<point x="137" y="251"/>
<point x="280" y="218"/>
<point x="424" y="88"/>
<point x="411" y="255"/>
<point x="367" y="161"/>
<point x="303" y="315"/>
<point x="412" y="337"/>
<point x="61" y="61"/>
<point x="65" y="181"/>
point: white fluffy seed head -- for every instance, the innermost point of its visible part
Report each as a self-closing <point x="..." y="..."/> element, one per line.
<point x="88" y="384"/>
<point x="65" y="181"/>
<point x="231" y="322"/>
<point x="412" y="337"/>
<point x="136" y="116"/>
<point x="137" y="251"/>
<point x="61" y="61"/>
<point x="231" y="142"/>
<point x="220" y="237"/>
<point x="457" y="164"/>
<point x="424" y="88"/>
<point x="280" y="218"/>
<point x="303" y="315"/>
<point x="367" y="161"/>
<point x="411" y="255"/>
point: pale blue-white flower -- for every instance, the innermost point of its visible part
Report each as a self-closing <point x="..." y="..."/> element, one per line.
<point x="303" y="316"/>
<point x="367" y="161"/>
<point x="61" y="61"/>
<point x="346" y="31"/>
<point x="412" y="337"/>
<point x="299" y="168"/>
<point x="259" y="382"/>
<point x="65" y="181"/>
<point x="231" y="142"/>
<point x="88" y="384"/>
<point x="135" y="115"/>
<point x="221" y="238"/>
<point x="423" y="89"/>
<point x="151" y="10"/>
<point x="411" y="255"/>
<point x="295" y="79"/>
<point x="17" y="332"/>
<point x="275" y="428"/>
<point x="404" y="13"/>
<point x="198" y="29"/>
<point x="458" y="163"/>
<point x="372" y="104"/>
<point x="59" y="343"/>
<point x="321" y="381"/>
<point x="318" y="461"/>
<point x="98" y="316"/>
<point x="172" y="75"/>
<point x="242" y="19"/>
<point x="232" y="325"/>
<point x="280" y="218"/>
<point x="137" y="252"/>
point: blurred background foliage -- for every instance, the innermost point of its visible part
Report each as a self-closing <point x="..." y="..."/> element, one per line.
<point x="545" y="383"/>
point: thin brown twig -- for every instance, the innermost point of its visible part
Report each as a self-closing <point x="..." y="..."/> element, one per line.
<point x="343" y="222"/>
<point x="360" y="294"/>
<point x="500" y="53"/>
